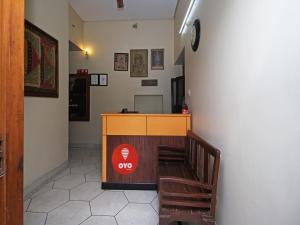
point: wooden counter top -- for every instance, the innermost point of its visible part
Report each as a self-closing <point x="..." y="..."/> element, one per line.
<point x="145" y="124"/>
<point x="142" y="114"/>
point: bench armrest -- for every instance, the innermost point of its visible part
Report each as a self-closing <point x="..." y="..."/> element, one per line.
<point x="177" y="180"/>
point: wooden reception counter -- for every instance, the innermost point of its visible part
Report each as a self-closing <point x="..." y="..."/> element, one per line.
<point x="129" y="143"/>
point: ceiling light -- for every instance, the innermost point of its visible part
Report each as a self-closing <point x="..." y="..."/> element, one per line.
<point x="187" y="15"/>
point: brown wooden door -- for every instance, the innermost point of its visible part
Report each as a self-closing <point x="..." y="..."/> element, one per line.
<point x="11" y="111"/>
<point x="2" y="125"/>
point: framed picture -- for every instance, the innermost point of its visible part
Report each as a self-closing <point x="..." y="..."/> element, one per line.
<point x="94" y="80"/>
<point x="103" y="79"/>
<point x="41" y="63"/>
<point x="121" y="62"/>
<point x="139" y="63"/>
<point x="157" y="59"/>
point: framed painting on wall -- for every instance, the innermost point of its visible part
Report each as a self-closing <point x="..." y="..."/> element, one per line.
<point x="139" y="63"/>
<point x="94" y="78"/>
<point x="121" y="62"/>
<point x="157" y="59"/>
<point x="41" y="63"/>
<point x="103" y="79"/>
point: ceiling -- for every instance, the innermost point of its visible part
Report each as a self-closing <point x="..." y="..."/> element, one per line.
<point x="104" y="10"/>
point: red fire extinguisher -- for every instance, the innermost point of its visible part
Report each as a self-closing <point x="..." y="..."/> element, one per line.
<point x="185" y="109"/>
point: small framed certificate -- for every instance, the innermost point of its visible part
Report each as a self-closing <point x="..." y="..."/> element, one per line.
<point x="95" y="80"/>
<point x="103" y="79"/>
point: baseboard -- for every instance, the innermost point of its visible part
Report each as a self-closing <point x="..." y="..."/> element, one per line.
<point x="28" y="190"/>
<point x="75" y="146"/>
<point x="122" y="186"/>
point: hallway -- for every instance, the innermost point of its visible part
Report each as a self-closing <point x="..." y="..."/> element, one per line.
<point x="241" y="87"/>
<point x="75" y="197"/>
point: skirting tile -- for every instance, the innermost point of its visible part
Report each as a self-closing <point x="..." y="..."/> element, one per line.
<point x="36" y="185"/>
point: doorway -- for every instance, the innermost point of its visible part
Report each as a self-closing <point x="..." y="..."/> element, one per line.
<point x="178" y="85"/>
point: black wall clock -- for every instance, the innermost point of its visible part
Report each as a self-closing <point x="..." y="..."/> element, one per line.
<point x="195" y="35"/>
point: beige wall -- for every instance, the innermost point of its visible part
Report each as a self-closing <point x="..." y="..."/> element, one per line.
<point x="46" y="119"/>
<point x="75" y="28"/>
<point x="106" y="38"/>
<point x="244" y="83"/>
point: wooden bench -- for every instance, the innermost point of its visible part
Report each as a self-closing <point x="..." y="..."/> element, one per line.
<point x="188" y="180"/>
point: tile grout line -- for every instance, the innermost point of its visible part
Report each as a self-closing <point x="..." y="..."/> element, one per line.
<point x="97" y="195"/>
<point x="85" y="220"/>
<point x="28" y="205"/>
<point x="122" y="209"/>
<point x="46" y="219"/>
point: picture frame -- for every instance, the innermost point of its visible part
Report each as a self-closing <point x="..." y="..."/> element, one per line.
<point x="139" y="63"/>
<point x="94" y="78"/>
<point x="41" y="63"/>
<point x="103" y="79"/>
<point x="121" y="61"/>
<point x="157" y="59"/>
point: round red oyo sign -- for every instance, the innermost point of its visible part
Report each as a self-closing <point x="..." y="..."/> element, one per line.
<point x="125" y="159"/>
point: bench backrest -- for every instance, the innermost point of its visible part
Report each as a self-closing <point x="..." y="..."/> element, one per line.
<point x="204" y="162"/>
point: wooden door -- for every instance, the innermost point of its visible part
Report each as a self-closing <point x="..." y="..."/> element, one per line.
<point x="2" y="125"/>
<point x="11" y="111"/>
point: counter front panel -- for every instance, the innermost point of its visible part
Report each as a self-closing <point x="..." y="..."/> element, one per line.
<point x="133" y="125"/>
<point x="167" y="125"/>
<point x="145" y="146"/>
<point x="144" y="132"/>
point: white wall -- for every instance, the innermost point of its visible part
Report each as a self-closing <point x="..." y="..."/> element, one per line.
<point x="46" y="119"/>
<point x="75" y="28"/>
<point x="244" y="81"/>
<point x="106" y="38"/>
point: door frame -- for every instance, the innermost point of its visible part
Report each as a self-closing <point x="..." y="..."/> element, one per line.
<point x="12" y="109"/>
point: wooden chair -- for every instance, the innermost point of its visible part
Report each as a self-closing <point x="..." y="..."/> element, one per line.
<point x="188" y="179"/>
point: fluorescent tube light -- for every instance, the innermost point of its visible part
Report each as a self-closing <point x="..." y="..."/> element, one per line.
<point x="186" y="16"/>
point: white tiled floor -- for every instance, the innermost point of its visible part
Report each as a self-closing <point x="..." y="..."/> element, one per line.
<point x="75" y="197"/>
